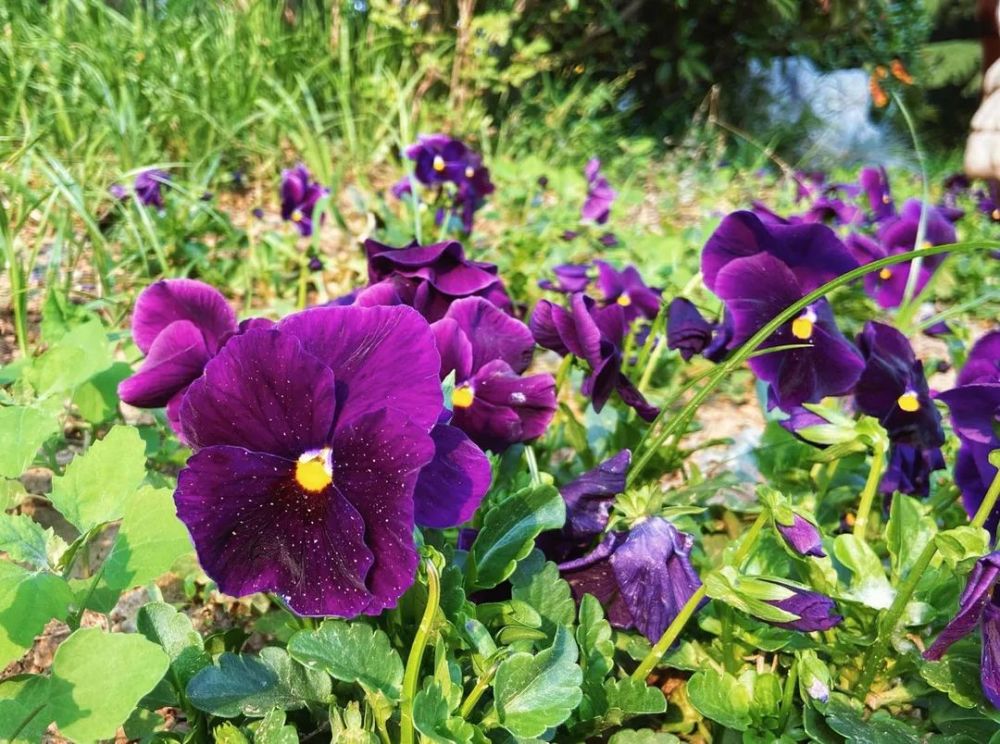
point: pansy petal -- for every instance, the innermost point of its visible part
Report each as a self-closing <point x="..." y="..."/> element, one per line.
<point x="990" y="667"/>
<point x="983" y="363"/>
<point x="589" y="497"/>
<point x="974" y="410"/>
<point x="451" y="486"/>
<point x="169" y="300"/>
<point x="593" y="574"/>
<point x="455" y="349"/>
<point x="175" y="359"/>
<point x="971" y="604"/>
<point x="544" y="328"/>
<point x="497" y="388"/>
<point x="493" y="333"/>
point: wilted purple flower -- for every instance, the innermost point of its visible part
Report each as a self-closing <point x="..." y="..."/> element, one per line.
<point x="487" y="350"/>
<point x="589" y="497"/>
<point x="816" y="611"/>
<point x="801" y="536"/>
<point x="309" y="438"/>
<point x="627" y="288"/>
<point x="875" y="182"/>
<point x="978" y="605"/>
<point x="600" y="195"/>
<point x="179" y="324"/>
<point x="641" y="577"/>
<point x="569" y="278"/>
<point x="909" y="469"/>
<point x="299" y="195"/>
<point x="596" y="335"/>
<point x="689" y="332"/>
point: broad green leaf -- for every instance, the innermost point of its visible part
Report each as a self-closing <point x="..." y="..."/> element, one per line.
<point x="869" y="585"/>
<point x="28" y="601"/>
<point x="534" y="693"/>
<point x="766" y="699"/>
<point x="23" y="430"/>
<point x="720" y="697"/>
<point x="97" y="399"/>
<point x="432" y="717"/>
<point x="509" y="531"/>
<point x="98" y="483"/>
<point x="87" y="701"/>
<point x="173" y="631"/>
<point x="351" y="653"/>
<point x="23" y="703"/>
<point x="26" y="541"/>
<point x="627" y="698"/>
<point x="643" y="736"/>
<point x="150" y="540"/>
<point x="957" y="674"/>
<point x="962" y="546"/>
<point x="538" y="583"/>
<point x="906" y="533"/>
<point x="880" y="727"/>
<point x="251" y="686"/>
<point x="74" y="359"/>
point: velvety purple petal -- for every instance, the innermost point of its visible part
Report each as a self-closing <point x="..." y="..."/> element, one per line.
<point x="169" y="300"/>
<point x="455" y="349"/>
<point x="381" y="357"/>
<point x="973" y="475"/>
<point x="569" y="278"/>
<point x="578" y="329"/>
<point x="634" y="399"/>
<point x="589" y="497"/>
<point x="176" y="358"/>
<point x="544" y="329"/>
<point x="875" y="183"/>
<point x="687" y="330"/>
<point x="816" y="611"/>
<point x="593" y="574"/>
<point x="451" y="486"/>
<point x="990" y="666"/>
<point x="802" y="537"/>
<point x="971" y="604"/>
<point x="983" y="362"/>
<point x="909" y="469"/>
<point x="974" y="410"/>
<point x="492" y="333"/>
<point x="264" y="392"/>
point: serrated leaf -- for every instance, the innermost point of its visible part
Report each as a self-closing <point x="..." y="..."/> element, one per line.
<point x="593" y="635"/>
<point x="251" y="686"/>
<point x="23" y="430"/>
<point x="26" y="541"/>
<point x="720" y="697"/>
<point x="23" y="701"/>
<point x="150" y="540"/>
<point x="351" y="653"/>
<point x="509" y="531"/>
<point x="28" y="600"/>
<point x="627" y="698"/>
<point x="906" y="533"/>
<point x="962" y="546"/>
<point x="97" y="484"/>
<point x="74" y="359"/>
<point x="537" y="583"/>
<point x="534" y="693"/>
<point x="869" y="585"/>
<point x="86" y="702"/>
<point x="432" y="717"/>
<point x="173" y="631"/>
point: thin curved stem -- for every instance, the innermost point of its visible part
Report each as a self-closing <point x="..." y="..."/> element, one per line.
<point x="871" y="488"/>
<point x="411" y="677"/>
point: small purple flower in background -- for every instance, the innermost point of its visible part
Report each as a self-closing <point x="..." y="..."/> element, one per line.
<point x="569" y="278"/>
<point x="690" y="333"/>
<point x="299" y="195"/>
<point x="119" y="192"/>
<point x="600" y="196"/>
<point x="487" y="350"/>
<point x="179" y="324"/>
<point x="438" y="158"/>
<point x="816" y="611"/>
<point x="627" y="289"/>
<point x="802" y="536"/>
<point x="875" y="183"/>
<point x="988" y="201"/>
<point x="596" y="335"/>
<point x="315" y="263"/>
<point x="978" y="605"/>
<point x="148" y="188"/>
<point x="808" y="185"/>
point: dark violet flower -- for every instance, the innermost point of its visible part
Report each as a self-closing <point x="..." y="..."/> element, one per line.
<point x="450" y="487"/>
<point x="801" y="536"/>
<point x="149" y="185"/>
<point x="816" y="611"/>
<point x="627" y="288"/>
<point x="179" y="324"/>
<point x="608" y="240"/>
<point x="315" y="263"/>
<point x="939" y="329"/>
<point x="309" y="437"/>
<point x="988" y="201"/>
<point x="875" y="183"/>
<point x="800" y="418"/>
<point x="438" y="158"/>
<point x="983" y="362"/>
<point x="428" y="278"/>
<point x="892" y="388"/>
<point x="600" y="195"/>
<point x="755" y="290"/>
<point x="642" y="577"/>
<point x="690" y="333"/>
<point x="299" y="195"/>
<point x="589" y="497"/>
<point x="488" y="350"/>
<point x="978" y="605"/>
<point x="596" y="335"/>
<point x="569" y="278"/>
<point x="909" y="469"/>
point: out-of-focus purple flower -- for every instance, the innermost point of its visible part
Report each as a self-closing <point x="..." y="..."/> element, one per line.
<point x="627" y="289"/>
<point x="988" y="201"/>
<point x="808" y="184"/>
<point x="299" y="195"/>
<point x="569" y="278"/>
<point x="118" y="191"/>
<point x="315" y="263"/>
<point x="311" y="494"/>
<point x="608" y="240"/>
<point x="179" y="324"/>
<point x="402" y="188"/>
<point x="978" y="605"/>
<point x="816" y="611"/>
<point x="800" y="418"/>
<point x="755" y="290"/>
<point x="690" y="333"/>
<point x="488" y="350"/>
<point x="438" y="158"/>
<point x="641" y="577"/>
<point x="909" y="469"/>
<point x="600" y="195"/>
<point x="258" y="213"/>
<point x="875" y="182"/>
<point x="596" y="335"/>
<point x="939" y="329"/>
<point x="149" y="187"/>
<point x="801" y="536"/>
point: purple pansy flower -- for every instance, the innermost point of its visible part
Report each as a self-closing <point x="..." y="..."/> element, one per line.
<point x="816" y="611"/>
<point x="988" y="200"/>
<point x="311" y="494"/>
<point x="569" y="278"/>
<point x="600" y="195"/>
<point x="149" y="187"/>
<point x="627" y="289"/>
<point x="438" y="158"/>
<point x="179" y="324"/>
<point x="978" y="605"/>
<point x="641" y="577"/>
<point x="590" y="496"/>
<point x="875" y="184"/>
<point x="690" y="333"/>
<point x="299" y="195"/>
<point x="909" y="469"/>
<point x="801" y="536"/>
<point x="487" y="350"/>
<point x="596" y="335"/>
<point x="755" y="290"/>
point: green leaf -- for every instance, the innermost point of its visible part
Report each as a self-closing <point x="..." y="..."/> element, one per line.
<point x="720" y="697"/>
<point x="272" y="729"/>
<point x="74" y="359"/>
<point x="23" y="701"/>
<point x="351" y="653"/>
<point x="629" y="697"/>
<point x="962" y="546"/>
<point x="28" y="601"/>
<point x="86" y="701"/>
<point x="347" y="726"/>
<point x="509" y="531"/>
<point x="23" y="430"/>
<point x="432" y="717"/>
<point x="957" y="674"/>
<point x="593" y="635"/>
<point x="227" y="733"/>
<point x="869" y="585"/>
<point x="26" y="541"/>
<point x="150" y="540"/>
<point x="538" y="583"/>
<point x="906" y="533"/>
<point x="173" y="631"/>
<point x="251" y="686"/>
<point x="97" y="399"/>
<point x="881" y="727"/>
<point x="534" y="693"/>
<point x="98" y="483"/>
<point x="643" y="736"/>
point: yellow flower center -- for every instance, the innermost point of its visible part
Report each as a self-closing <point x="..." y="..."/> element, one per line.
<point x="886" y="199"/>
<point x="909" y="402"/>
<point x="462" y="397"/>
<point x="313" y="471"/>
<point x="624" y="300"/>
<point x="297" y="216"/>
<point x="438" y="164"/>
<point x="884" y="274"/>
<point x="802" y="326"/>
<point x="469" y="171"/>
<point x="995" y="214"/>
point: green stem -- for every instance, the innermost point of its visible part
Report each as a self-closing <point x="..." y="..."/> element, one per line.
<point x="788" y="695"/>
<point x="748" y="348"/>
<point x="871" y="488"/>
<point x="481" y="686"/>
<point x="876" y="657"/>
<point x="411" y="677"/>
<point x="908" y="305"/>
